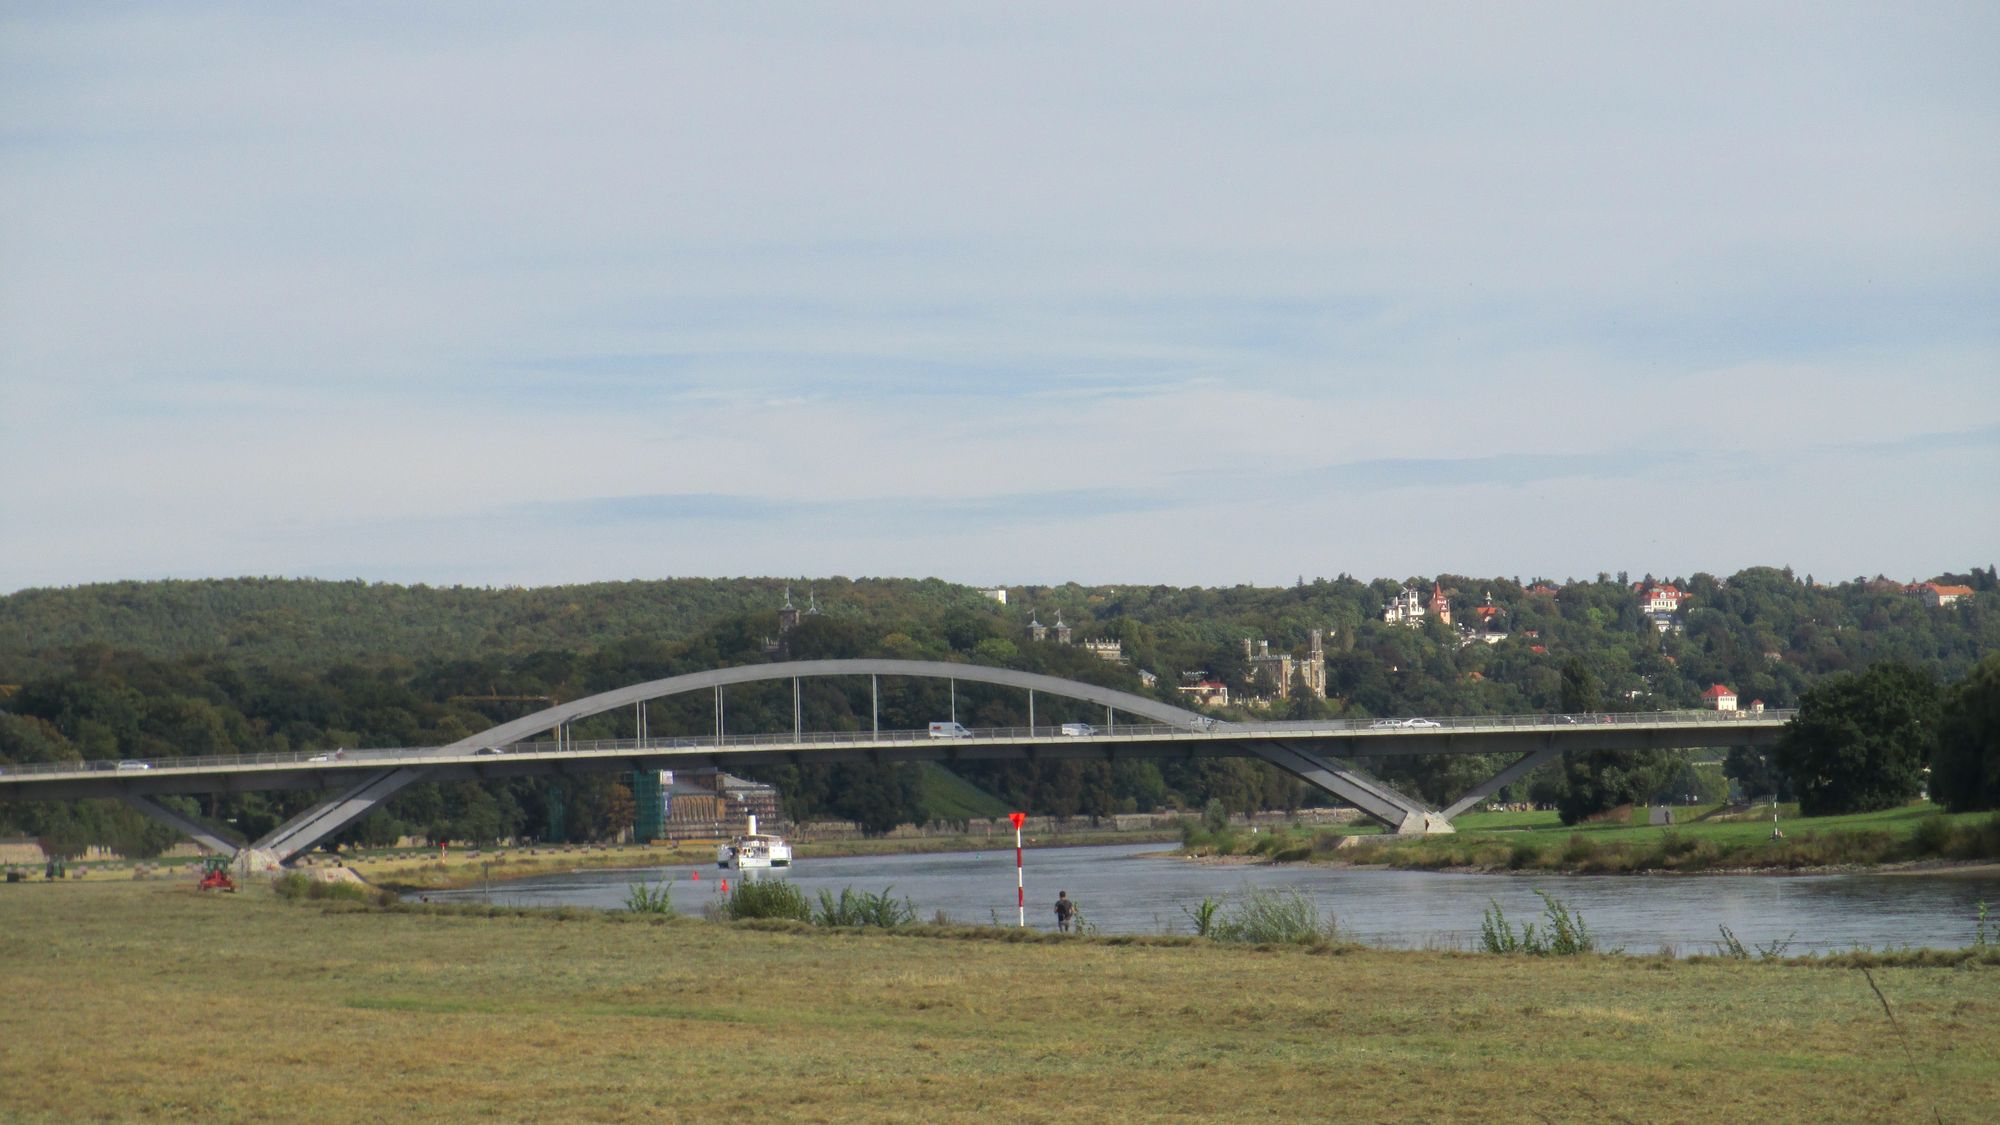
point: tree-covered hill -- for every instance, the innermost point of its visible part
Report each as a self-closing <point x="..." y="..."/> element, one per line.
<point x="310" y="623"/>
<point x="1764" y="631"/>
<point x="150" y="670"/>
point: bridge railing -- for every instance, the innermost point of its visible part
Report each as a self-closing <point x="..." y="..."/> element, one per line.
<point x="346" y="758"/>
<point x="1518" y="722"/>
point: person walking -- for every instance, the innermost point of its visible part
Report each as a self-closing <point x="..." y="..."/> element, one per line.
<point x="1065" y="910"/>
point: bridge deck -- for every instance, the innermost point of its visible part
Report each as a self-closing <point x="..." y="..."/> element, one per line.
<point x="1357" y="738"/>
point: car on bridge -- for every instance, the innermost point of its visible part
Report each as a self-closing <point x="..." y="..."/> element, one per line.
<point x="949" y="730"/>
<point x="1078" y="730"/>
<point x="1421" y="723"/>
<point x="1386" y="724"/>
<point x="130" y="765"/>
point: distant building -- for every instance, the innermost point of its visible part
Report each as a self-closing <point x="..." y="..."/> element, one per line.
<point x="1061" y="631"/>
<point x="997" y="593"/>
<point x="1206" y="693"/>
<point x="1661" y="602"/>
<point x="1313" y="672"/>
<point x="1112" y="652"/>
<point x="788" y="620"/>
<point x="1935" y="595"/>
<point x="1036" y="630"/>
<point x="700" y="804"/>
<point x="1406" y="608"/>
<point x="1440" y="606"/>
<point x="1487" y="625"/>
<point x="1271" y="670"/>
<point x="1756" y="707"/>
<point x="1719" y="698"/>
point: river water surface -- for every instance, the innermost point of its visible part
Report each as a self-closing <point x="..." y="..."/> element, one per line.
<point x="1143" y="888"/>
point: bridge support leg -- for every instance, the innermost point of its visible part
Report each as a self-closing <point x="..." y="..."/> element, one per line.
<point x="200" y="833"/>
<point x="1521" y="768"/>
<point x="1405" y="816"/>
<point x="333" y="814"/>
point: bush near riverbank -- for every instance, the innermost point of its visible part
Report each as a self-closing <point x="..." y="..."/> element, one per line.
<point x="1536" y="842"/>
<point x="346" y="1011"/>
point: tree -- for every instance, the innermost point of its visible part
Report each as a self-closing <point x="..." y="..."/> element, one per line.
<point x="1580" y="693"/>
<point x="1756" y="774"/>
<point x="1600" y="780"/>
<point x="1859" y="742"/>
<point x="1965" y="767"/>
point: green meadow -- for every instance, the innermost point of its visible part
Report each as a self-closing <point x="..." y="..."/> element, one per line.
<point x="132" y="1000"/>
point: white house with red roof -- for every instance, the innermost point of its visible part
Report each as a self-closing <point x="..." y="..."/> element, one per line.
<point x="1719" y="698"/>
<point x="1661" y="603"/>
<point x="1935" y="595"/>
<point x="1206" y="693"/>
<point x="1661" y="597"/>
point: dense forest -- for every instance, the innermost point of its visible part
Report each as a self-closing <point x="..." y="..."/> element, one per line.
<point x="152" y="670"/>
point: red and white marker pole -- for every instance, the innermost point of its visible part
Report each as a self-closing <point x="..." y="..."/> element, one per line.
<point x="1020" y="882"/>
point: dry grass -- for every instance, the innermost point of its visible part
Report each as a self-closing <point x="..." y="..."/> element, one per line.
<point x="144" y="1000"/>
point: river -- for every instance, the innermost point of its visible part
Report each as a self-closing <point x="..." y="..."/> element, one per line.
<point x="1139" y="888"/>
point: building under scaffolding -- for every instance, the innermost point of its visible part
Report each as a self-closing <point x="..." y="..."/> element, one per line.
<point x="703" y="804"/>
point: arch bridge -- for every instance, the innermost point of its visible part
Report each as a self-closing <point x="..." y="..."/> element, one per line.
<point x="356" y="781"/>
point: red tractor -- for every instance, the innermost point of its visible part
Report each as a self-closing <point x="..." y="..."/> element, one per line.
<point x="215" y="874"/>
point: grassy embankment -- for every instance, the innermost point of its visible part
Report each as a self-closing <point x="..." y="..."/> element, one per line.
<point x="148" y="1000"/>
<point x="1705" y="840"/>
<point x="411" y="870"/>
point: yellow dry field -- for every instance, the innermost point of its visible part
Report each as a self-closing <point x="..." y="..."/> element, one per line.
<point x="153" y="1001"/>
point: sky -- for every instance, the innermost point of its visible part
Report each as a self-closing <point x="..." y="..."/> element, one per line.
<point x="493" y="294"/>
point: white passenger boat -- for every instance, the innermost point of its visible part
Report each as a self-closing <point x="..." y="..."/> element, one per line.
<point x="754" y="849"/>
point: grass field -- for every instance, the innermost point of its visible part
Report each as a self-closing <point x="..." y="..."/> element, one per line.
<point x="148" y="1000"/>
<point x="947" y="796"/>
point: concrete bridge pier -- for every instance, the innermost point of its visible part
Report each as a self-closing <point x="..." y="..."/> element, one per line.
<point x="1522" y="766"/>
<point x="335" y="813"/>
<point x="1404" y="815"/>
<point x="196" y="830"/>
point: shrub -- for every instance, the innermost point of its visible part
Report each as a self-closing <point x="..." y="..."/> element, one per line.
<point x="1276" y="917"/>
<point x="1204" y="916"/>
<point x="1293" y="853"/>
<point x="1579" y="850"/>
<point x="768" y="899"/>
<point x="1933" y="836"/>
<point x="864" y="908"/>
<point x="1214" y="817"/>
<point x="1496" y="936"/>
<point x="1563" y="932"/>
<point x="1773" y="950"/>
<point x="1673" y="844"/>
<point x="1979" y="840"/>
<point x="640" y="899"/>
<point x="293" y="886"/>
<point x="1524" y="853"/>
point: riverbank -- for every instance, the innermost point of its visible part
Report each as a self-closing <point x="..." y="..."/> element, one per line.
<point x="1915" y="838"/>
<point x="427" y="871"/>
<point x="365" y="1014"/>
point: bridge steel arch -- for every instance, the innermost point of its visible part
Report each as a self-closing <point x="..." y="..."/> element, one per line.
<point x="1399" y="812"/>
